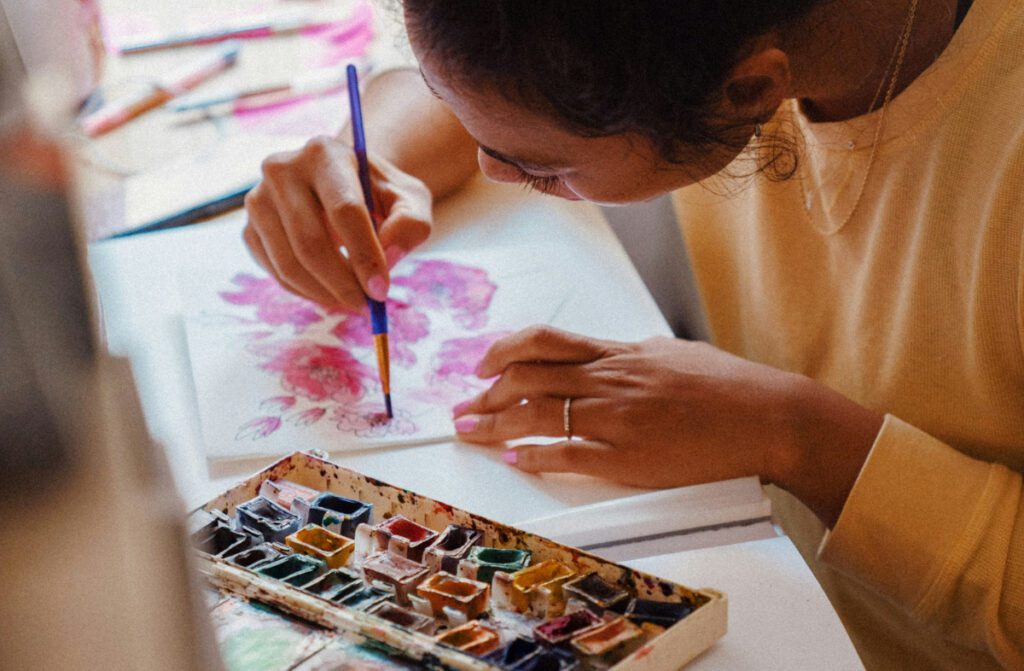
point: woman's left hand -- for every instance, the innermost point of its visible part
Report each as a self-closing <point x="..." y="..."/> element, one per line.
<point x="658" y="413"/>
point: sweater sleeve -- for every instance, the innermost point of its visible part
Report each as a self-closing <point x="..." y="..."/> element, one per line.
<point x="942" y="536"/>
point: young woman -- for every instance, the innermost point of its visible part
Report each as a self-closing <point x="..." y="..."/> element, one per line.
<point x="849" y="179"/>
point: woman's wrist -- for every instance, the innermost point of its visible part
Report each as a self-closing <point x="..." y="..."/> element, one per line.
<point x="825" y="442"/>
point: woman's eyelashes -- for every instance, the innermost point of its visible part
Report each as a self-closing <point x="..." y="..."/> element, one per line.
<point x="538" y="183"/>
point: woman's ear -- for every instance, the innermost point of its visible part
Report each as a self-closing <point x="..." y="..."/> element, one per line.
<point x="757" y="85"/>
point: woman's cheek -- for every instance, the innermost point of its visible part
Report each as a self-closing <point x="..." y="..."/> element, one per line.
<point x="564" y="190"/>
<point x="495" y="170"/>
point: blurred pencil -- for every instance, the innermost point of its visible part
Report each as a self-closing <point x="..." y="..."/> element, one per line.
<point x="261" y="28"/>
<point x="120" y="112"/>
<point x="317" y="82"/>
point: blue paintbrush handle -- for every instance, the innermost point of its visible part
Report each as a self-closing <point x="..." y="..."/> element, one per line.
<point x="378" y="313"/>
<point x="378" y="316"/>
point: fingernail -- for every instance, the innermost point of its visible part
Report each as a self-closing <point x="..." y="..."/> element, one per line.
<point x="377" y="287"/>
<point x="510" y="457"/>
<point x="394" y="254"/>
<point x="466" y="424"/>
<point x="461" y="408"/>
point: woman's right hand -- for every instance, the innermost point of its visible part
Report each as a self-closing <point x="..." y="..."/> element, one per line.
<point x="309" y="204"/>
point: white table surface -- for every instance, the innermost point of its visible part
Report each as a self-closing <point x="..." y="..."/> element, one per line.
<point x="779" y="617"/>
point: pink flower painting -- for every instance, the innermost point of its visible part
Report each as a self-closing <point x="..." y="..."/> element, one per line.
<point x="322" y="361"/>
<point x="307" y="417"/>
<point x="278" y="404"/>
<point x="317" y="372"/>
<point x="441" y="285"/>
<point x="274" y="305"/>
<point x="371" y="422"/>
<point x="261" y="427"/>
<point x="458" y="358"/>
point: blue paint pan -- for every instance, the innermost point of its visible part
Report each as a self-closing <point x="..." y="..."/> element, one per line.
<point x="660" y="613"/>
<point x="338" y="514"/>
<point x="263" y="515"/>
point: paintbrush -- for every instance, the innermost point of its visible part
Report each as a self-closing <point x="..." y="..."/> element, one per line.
<point x="378" y="310"/>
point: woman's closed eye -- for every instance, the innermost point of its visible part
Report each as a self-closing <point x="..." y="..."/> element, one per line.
<point x="539" y="183"/>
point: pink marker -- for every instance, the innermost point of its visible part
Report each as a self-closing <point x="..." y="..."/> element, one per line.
<point x="118" y="113"/>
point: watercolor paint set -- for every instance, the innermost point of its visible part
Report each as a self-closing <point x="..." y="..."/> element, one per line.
<point x="372" y="567"/>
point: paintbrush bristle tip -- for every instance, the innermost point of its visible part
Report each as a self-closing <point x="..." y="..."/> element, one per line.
<point x="387" y="406"/>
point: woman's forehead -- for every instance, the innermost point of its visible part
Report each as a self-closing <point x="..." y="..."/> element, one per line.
<point x="507" y="130"/>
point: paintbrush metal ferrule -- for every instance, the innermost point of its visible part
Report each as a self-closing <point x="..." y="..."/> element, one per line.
<point x="380" y="344"/>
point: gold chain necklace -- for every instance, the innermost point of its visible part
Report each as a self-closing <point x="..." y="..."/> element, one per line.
<point x="898" y="55"/>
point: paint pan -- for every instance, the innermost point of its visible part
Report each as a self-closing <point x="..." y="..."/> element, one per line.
<point x="403" y="617"/>
<point x="295" y="570"/>
<point x="535" y="589"/>
<point x="561" y="629"/>
<point x="608" y="643"/>
<point x="473" y="638"/>
<point x="201" y="519"/>
<point x="338" y="514"/>
<point x="661" y="613"/>
<point x="398" y="572"/>
<point x="481" y="562"/>
<point x="335" y="584"/>
<point x="365" y="598"/>
<point x="315" y="541"/>
<point x="456" y="599"/>
<point x="219" y="539"/>
<point x="268" y="518"/>
<point x="398" y="535"/>
<point x="515" y="653"/>
<point x="255" y="556"/>
<point x="289" y="495"/>
<point x="451" y="546"/>
<point x="596" y="593"/>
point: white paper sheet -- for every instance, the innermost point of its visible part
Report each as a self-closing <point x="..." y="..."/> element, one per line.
<point x="274" y="373"/>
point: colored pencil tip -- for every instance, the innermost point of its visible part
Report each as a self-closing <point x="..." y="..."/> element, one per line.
<point x="387" y="406"/>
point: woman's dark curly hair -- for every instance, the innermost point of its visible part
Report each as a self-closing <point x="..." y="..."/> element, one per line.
<point x="605" y="67"/>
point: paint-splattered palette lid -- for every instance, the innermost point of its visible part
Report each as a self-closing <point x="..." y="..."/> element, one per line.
<point x="343" y="624"/>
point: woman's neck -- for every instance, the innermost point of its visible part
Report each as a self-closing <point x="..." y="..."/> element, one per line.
<point x="840" y="51"/>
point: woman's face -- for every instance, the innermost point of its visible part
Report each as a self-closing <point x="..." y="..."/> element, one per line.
<point x="518" y="144"/>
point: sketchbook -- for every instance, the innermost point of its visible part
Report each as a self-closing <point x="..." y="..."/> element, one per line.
<point x="274" y="373"/>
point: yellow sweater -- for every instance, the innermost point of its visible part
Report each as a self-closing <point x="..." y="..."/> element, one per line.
<point x="914" y="308"/>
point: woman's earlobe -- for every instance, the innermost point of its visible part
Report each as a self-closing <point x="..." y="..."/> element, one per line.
<point x="758" y="84"/>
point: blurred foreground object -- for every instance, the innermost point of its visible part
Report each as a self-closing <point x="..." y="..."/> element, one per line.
<point x="95" y="573"/>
